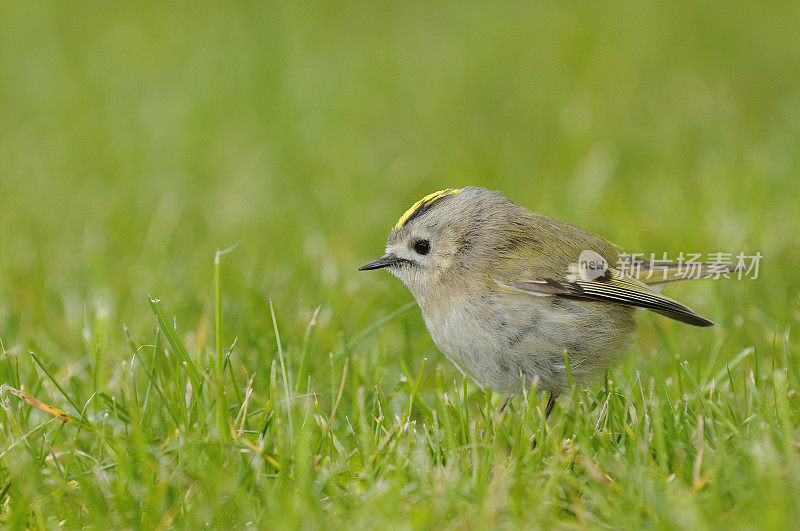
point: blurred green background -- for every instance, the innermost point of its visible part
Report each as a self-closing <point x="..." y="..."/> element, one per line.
<point x="135" y="140"/>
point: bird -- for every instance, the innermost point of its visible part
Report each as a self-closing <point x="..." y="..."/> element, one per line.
<point x="514" y="297"/>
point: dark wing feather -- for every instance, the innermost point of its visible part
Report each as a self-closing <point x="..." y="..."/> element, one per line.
<point x="618" y="290"/>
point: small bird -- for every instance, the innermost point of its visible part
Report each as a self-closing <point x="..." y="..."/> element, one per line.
<point x="506" y="293"/>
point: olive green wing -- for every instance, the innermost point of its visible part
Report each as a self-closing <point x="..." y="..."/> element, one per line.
<point x="613" y="288"/>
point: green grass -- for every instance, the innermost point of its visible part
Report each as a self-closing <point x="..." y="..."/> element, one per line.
<point x="272" y="385"/>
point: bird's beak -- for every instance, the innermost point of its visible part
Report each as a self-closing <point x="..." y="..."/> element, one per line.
<point x="384" y="261"/>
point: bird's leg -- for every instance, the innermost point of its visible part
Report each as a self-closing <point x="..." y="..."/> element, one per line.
<point x="497" y="413"/>
<point x="550" y="403"/>
<point x="503" y="406"/>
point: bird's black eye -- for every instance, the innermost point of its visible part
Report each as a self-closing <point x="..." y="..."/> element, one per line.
<point x="422" y="246"/>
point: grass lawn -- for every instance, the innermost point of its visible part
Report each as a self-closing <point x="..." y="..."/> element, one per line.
<point x="149" y="380"/>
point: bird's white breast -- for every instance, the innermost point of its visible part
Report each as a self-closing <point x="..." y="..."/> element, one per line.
<point x="501" y="340"/>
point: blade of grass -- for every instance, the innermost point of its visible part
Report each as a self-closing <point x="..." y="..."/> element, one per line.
<point x="729" y="366"/>
<point x="414" y="389"/>
<point x="377" y="325"/>
<point x="283" y="369"/>
<point x="34" y="402"/>
<point x="177" y="346"/>
<point x="55" y="382"/>
<point x="333" y="410"/>
<point x="219" y="390"/>
<point x="301" y="369"/>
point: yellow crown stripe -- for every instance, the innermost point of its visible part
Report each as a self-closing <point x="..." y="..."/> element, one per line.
<point x="423" y="203"/>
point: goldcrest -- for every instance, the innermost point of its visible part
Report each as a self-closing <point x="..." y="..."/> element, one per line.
<point x="505" y="292"/>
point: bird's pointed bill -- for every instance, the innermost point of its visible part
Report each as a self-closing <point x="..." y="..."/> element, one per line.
<point x="384" y="261"/>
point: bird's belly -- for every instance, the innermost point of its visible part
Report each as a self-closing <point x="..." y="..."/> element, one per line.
<point x="502" y="341"/>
